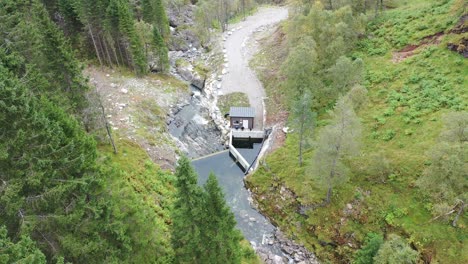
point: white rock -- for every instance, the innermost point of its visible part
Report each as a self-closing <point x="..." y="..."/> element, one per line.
<point x="124" y="91"/>
<point x="286" y="130"/>
<point x="277" y="259"/>
<point x="224" y="71"/>
<point x="107" y="75"/>
<point x="349" y="206"/>
<point x="218" y="86"/>
<point x="113" y="85"/>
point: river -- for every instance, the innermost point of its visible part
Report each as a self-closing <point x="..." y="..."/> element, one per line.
<point x="197" y="137"/>
<point x="255" y="227"/>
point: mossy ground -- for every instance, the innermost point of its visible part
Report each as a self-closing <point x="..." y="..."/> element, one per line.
<point x="401" y="123"/>
<point x="225" y="101"/>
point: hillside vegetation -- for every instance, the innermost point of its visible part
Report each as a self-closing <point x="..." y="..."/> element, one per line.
<point x="401" y="179"/>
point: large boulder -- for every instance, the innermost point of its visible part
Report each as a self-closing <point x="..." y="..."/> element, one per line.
<point x="183" y="39"/>
<point x="188" y="73"/>
<point x="181" y="15"/>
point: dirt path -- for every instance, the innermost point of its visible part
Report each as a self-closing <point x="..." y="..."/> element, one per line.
<point x="239" y="77"/>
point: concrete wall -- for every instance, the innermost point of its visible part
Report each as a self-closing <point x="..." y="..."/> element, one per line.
<point x="240" y="119"/>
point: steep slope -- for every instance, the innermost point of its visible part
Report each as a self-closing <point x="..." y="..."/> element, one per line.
<point x="413" y="81"/>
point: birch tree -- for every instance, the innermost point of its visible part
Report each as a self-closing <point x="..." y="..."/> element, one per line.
<point x="445" y="179"/>
<point x="303" y="120"/>
<point x="335" y="142"/>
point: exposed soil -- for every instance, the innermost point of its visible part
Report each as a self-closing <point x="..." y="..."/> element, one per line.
<point x="435" y="39"/>
<point x="409" y="50"/>
<point x="461" y="47"/>
<point x="136" y="109"/>
<point x="461" y="26"/>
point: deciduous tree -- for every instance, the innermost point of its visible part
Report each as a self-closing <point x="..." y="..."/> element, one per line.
<point x="335" y="142"/>
<point x="303" y="120"/>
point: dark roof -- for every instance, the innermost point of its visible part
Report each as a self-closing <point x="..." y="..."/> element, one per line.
<point x="242" y="112"/>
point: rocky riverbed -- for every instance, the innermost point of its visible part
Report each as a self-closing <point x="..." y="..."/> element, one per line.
<point x="199" y="128"/>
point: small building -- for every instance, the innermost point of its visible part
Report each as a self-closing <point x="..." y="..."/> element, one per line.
<point x="242" y="117"/>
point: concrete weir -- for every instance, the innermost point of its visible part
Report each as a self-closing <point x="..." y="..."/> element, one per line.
<point x="255" y="134"/>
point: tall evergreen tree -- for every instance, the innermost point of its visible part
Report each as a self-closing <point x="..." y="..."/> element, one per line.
<point x="220" y="238"/>
<point x="160" y="50"/>
<point x="187" y="215"/>
<point x="28" y="31"/>
<point x="46" y="163"/>
<point x="154" y="13"/>
<point x="65" y="71"/>
<point x="120" y="18"/>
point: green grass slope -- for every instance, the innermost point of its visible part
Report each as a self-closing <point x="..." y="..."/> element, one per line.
<point x="412" y="79"/>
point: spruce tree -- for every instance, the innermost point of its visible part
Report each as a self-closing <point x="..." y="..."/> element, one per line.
<point x="46" y="163"/>
<point x="64" y="69"/>
<point x="118" y="12"/>
<point x="187" y="215"/>
<point x="220" y="238"/>
<point x="161" y="19"/>
<point x="23" y="251"/>
<point x="160" y="50"/>
<point x="153" y="12"/>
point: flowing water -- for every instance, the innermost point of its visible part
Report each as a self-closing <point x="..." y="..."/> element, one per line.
<point x="255" y="227"/>
<point x="195" y="131"/>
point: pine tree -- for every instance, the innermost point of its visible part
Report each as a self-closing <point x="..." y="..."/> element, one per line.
<point x="220" y="238"/>
<point x="187" y="215"/>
